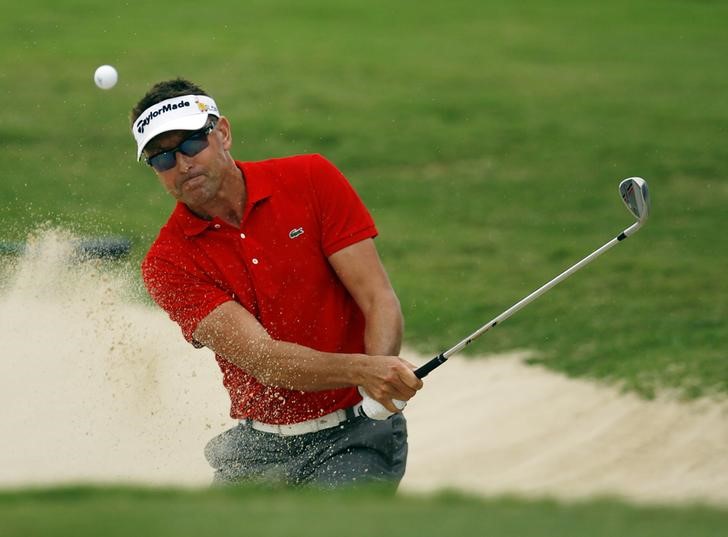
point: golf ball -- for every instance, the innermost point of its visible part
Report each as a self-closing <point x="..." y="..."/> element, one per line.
<point x="106" y="77"/>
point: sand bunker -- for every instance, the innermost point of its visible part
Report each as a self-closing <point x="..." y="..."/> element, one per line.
<point x="96" y="387"/>
<point x="496" y="425"/>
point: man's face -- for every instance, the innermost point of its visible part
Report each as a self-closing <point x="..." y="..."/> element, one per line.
<point x="193" y="180"/>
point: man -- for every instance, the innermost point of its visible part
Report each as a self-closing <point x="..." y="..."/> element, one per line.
<point x="272" y="265"/>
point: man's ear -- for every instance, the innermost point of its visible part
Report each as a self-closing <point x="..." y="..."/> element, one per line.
<point x="223" y="125"/>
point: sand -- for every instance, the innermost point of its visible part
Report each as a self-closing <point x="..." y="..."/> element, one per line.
<point x="98" y="387"/>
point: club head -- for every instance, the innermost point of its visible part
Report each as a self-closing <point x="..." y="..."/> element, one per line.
<point x="636" y="197"/>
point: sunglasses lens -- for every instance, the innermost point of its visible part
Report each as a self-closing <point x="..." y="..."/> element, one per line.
<point x="193" y="145"/>
<point x="190" y="147"/>
<point x="163" y="161"/>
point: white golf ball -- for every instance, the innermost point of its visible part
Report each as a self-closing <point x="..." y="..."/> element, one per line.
<point x="106" y="77"/>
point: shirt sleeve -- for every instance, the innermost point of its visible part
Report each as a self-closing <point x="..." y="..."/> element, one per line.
<point x="344" y="218"/>
<point x="186" y="296"/>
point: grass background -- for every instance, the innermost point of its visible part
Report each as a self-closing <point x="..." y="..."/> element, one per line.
<point x="486" y="137"/>
<point x="487" y="140"/>
<point x="82" y="511"/>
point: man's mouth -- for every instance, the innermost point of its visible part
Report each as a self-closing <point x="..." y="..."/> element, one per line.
<point x="192" y="181"/>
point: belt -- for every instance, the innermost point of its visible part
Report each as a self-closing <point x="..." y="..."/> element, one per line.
<point x="304" y="427"/>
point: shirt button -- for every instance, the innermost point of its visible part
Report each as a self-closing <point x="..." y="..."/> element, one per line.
<point x="255" y="261"/>
<point x="217" y="226"/>
<point x="242" y="235"/>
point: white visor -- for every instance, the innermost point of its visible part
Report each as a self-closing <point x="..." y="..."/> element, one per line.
<point x="185" y="113"/>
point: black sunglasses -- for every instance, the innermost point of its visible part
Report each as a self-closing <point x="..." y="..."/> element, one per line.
<point x="190" y="146"/>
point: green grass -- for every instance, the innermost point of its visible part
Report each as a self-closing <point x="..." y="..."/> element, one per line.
<point x="486" y="138"/>
<point x="127" y="511"/>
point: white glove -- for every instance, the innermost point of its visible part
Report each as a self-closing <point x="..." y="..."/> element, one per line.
<point x="371" y="408"/>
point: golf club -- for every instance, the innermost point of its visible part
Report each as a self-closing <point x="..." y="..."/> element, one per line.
<point x="634" y="194"/>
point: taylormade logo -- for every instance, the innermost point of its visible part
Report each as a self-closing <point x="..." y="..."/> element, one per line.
<point x="141" y="124"/>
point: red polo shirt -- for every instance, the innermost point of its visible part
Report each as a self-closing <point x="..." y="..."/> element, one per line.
<point x="299" y="211"/>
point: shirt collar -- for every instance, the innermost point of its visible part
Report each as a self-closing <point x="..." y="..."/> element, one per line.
<point x="257" y="187"/>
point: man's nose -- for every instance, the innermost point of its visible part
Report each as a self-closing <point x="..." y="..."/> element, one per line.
<point x="183" y="161"/>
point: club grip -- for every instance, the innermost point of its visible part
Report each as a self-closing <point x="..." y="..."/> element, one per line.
<point x="422" y="371"/>
<point x="373" y="409"/>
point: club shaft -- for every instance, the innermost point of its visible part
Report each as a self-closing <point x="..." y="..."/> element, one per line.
<point x="440" y="359"/>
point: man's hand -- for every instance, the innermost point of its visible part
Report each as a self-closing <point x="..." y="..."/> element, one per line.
<point x="387" y="378"/>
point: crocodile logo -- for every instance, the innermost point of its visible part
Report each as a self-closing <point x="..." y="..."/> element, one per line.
<point x="296" y="232"/>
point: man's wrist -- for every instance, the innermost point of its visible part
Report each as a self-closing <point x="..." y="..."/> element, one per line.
<point x="355" y="372"/>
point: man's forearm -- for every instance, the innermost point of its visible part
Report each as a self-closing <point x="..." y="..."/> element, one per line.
<point x="231" y="332"/>
<point x="292" y="366"/>
<point x="234" y="334"/>
<point x="384" y="327"/>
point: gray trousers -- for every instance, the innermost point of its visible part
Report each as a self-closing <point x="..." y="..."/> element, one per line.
<point x="358" y="451"/>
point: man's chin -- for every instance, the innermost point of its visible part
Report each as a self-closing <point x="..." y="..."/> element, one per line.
<point x="195" y="199"/>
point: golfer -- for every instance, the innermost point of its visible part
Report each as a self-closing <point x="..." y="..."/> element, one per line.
<point x="272" y="265"/>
